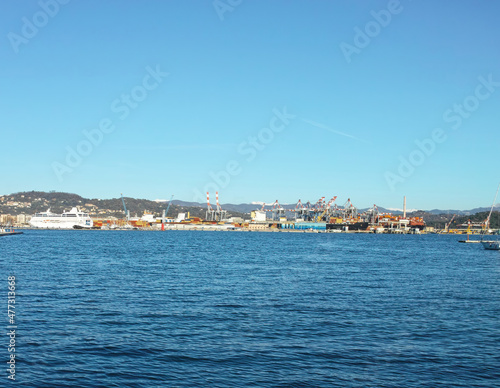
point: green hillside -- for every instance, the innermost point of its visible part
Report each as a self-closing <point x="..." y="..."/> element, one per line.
<point x="37" y="201"/>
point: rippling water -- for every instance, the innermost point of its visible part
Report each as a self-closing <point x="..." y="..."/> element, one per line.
<point x="228" y="309"/>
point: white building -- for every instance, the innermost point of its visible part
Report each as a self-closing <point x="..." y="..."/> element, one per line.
<point x="258" y="216"/>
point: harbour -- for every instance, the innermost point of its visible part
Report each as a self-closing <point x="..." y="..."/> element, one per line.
<point x="321" y="216"/>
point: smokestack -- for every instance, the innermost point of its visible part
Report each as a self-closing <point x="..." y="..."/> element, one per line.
<point x="404" y="207"/>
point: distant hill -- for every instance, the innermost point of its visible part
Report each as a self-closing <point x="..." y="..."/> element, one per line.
<point x="37" y="201"/>
<point x="464" y="212"/>
<point x="440" y="220"/>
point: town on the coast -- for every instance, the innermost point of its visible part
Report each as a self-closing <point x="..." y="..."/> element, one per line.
<point x="70" y="211"/>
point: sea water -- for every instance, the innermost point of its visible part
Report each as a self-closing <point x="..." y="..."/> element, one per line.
<point x="249" y="309"/>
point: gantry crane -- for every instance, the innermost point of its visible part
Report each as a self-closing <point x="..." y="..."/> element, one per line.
<point x="127" y="213"/>
<point x="300" y="210"/>
<point x="210" y="215"/>
<point x="278" y="211"/>
<point x="219" y="213"/>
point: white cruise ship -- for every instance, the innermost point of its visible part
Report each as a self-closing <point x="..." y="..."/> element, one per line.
<point x="74" y="219"/>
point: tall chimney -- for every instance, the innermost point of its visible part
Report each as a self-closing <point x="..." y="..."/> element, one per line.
<point x="404" y="207"/>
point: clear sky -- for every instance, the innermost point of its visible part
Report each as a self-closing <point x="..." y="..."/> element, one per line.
<point x="262" y="100"/>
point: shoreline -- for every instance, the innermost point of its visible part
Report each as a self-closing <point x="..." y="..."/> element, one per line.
<point x="246" y="230"/>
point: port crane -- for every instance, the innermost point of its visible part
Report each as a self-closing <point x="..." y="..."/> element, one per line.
<point x="211" y="213"/>
<point x="317" y="209"/>
<point x="165" y="212"/>
<point x="372" y="215"/>
<point x="219" y="213"/>
<point x="350" y="210"/>
<point x="308" y="211"/>
<point x="325" y="209"/>
<point x="127" y="213"/>
<point x="447" y="226"/>
<point x="300" y="210"/>
<point x="278" y="211"/>
<point x="331" y="207"/>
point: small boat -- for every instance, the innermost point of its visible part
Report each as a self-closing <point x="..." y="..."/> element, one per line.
<point x="491" y="245"/>
<point x="8" y="232"/>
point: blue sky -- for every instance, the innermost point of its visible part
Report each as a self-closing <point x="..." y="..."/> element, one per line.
<point x="263" y="100"/>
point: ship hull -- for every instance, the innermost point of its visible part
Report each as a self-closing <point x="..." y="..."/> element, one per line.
<point x="348" y="226"/>
<point x="491" y="245"/>
<point x="9" y="233"/>
<point x="57" y="224"/>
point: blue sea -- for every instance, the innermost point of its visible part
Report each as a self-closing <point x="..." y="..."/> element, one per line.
<point x="236" y="309"/>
